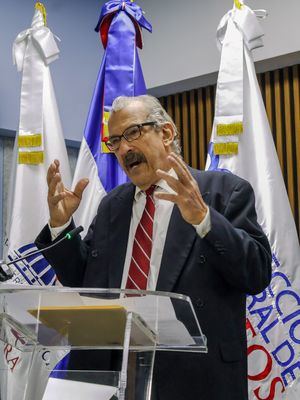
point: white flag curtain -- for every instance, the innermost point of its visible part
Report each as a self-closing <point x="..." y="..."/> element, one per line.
<point x="39" y="138"/>
<point x="38" y="141"/>
<point x="242" y="144"/>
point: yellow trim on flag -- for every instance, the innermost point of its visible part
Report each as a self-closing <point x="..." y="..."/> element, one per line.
<point x="30" y="140"/>
<point x="31" y="157"/>
<point x="104" y="125"/>
<point x="106" y="115"/>
<point x="105" y="130"/>
<point x="223" y="149"/>
<point x="105" y="133"/>
<point x="236" y="128"/>
<point x="40" y="6"/>
<point x="104" y="148"/>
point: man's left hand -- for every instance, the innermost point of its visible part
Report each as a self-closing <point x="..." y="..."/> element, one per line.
<point x="187" y="194"/>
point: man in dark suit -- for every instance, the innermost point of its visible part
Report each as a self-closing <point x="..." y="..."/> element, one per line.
<point x="206" y="243"/>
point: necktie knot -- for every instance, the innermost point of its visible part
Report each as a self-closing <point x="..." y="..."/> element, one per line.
<point x="150" y="190"/>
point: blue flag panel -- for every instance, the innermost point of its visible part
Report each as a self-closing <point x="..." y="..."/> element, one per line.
<point x="120" y="74"/>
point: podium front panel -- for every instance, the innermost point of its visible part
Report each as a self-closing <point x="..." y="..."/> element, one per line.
<point x="105" y="339"/>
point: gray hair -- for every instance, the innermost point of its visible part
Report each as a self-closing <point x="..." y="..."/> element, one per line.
<point x="155" y="112"/>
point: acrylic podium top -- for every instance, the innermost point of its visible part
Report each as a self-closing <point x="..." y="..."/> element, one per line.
<point x="98" y="318"/>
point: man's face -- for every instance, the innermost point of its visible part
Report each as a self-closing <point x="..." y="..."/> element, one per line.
<point x="142" y="157"/>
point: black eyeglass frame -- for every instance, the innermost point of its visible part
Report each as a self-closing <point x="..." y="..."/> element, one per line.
<point x="139" y="126"/>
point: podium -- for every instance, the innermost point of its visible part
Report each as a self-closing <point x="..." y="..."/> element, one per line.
<point x="66" y="343"/>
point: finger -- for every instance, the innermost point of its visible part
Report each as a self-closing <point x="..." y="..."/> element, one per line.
<point x="171" y="181"/>
<point x="54" y="184"/>
<point x="166" y="196"/>
<point x="189" y="176"/>
<point x="80" y="186"/>
<point x="52" y="170"/>
<point x="183" y="174"/>
<point x="54" y="200"/>
<point x="57" y="163"/>
<point x="182" y="163"/>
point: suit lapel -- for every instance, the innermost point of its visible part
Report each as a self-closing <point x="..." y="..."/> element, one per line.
<point x="179" y="242"/>
<point x="121" y="210"/>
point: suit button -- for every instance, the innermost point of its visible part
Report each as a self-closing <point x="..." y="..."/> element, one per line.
<point x="94" y="253"/>
<point x="202" y="259"/>
<point x="199" y="303"/>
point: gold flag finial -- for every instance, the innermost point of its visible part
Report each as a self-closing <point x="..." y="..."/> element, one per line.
<point x="40" y="6"/>
<point x="238" y="4"/>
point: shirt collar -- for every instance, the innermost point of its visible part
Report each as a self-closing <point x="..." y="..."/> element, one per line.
<point x="161" y="186"/>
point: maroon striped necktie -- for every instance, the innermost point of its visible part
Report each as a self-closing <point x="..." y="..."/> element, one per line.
<point x="142" y="246"/>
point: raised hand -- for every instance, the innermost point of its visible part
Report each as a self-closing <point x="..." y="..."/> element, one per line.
<point x="61" y="201"/>
<point x="187" y="194"/>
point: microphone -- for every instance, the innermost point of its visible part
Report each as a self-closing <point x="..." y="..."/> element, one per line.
<point x="6" y="273"/>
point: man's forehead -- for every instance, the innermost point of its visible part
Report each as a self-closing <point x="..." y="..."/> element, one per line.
<point x="134" y="113"/>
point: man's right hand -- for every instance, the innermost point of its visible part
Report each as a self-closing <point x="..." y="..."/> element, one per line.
<point x="61" y="201"/>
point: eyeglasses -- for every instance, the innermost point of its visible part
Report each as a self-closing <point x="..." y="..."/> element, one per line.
<point x="130" y="134"/>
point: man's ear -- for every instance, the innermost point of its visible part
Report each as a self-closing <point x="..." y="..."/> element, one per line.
<point x="168" y="134"/>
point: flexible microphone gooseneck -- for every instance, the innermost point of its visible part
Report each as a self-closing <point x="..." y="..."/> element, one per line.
<point x="8" y="274"/>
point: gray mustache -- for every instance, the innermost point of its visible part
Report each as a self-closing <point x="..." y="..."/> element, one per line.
<point x="131" y="158"/>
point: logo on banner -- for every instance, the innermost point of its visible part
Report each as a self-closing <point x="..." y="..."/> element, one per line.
<point x="272" y="310"/>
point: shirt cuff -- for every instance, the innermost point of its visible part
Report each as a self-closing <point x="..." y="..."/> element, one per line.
<point x="204" y="227"/>
<point x="55" y="232"/>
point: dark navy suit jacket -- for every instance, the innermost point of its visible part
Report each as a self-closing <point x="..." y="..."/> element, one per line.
<point x="216" y="272"/>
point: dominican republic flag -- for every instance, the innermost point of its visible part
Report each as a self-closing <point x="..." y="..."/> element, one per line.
<point x="242" y="143"/>
<point x="120" y="74"/>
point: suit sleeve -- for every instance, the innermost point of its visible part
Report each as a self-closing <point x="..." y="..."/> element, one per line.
<point x="69" y="258"/>
<point x="242" y="249"/>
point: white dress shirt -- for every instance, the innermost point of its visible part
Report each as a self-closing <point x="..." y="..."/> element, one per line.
<point x="162" y="215"/>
